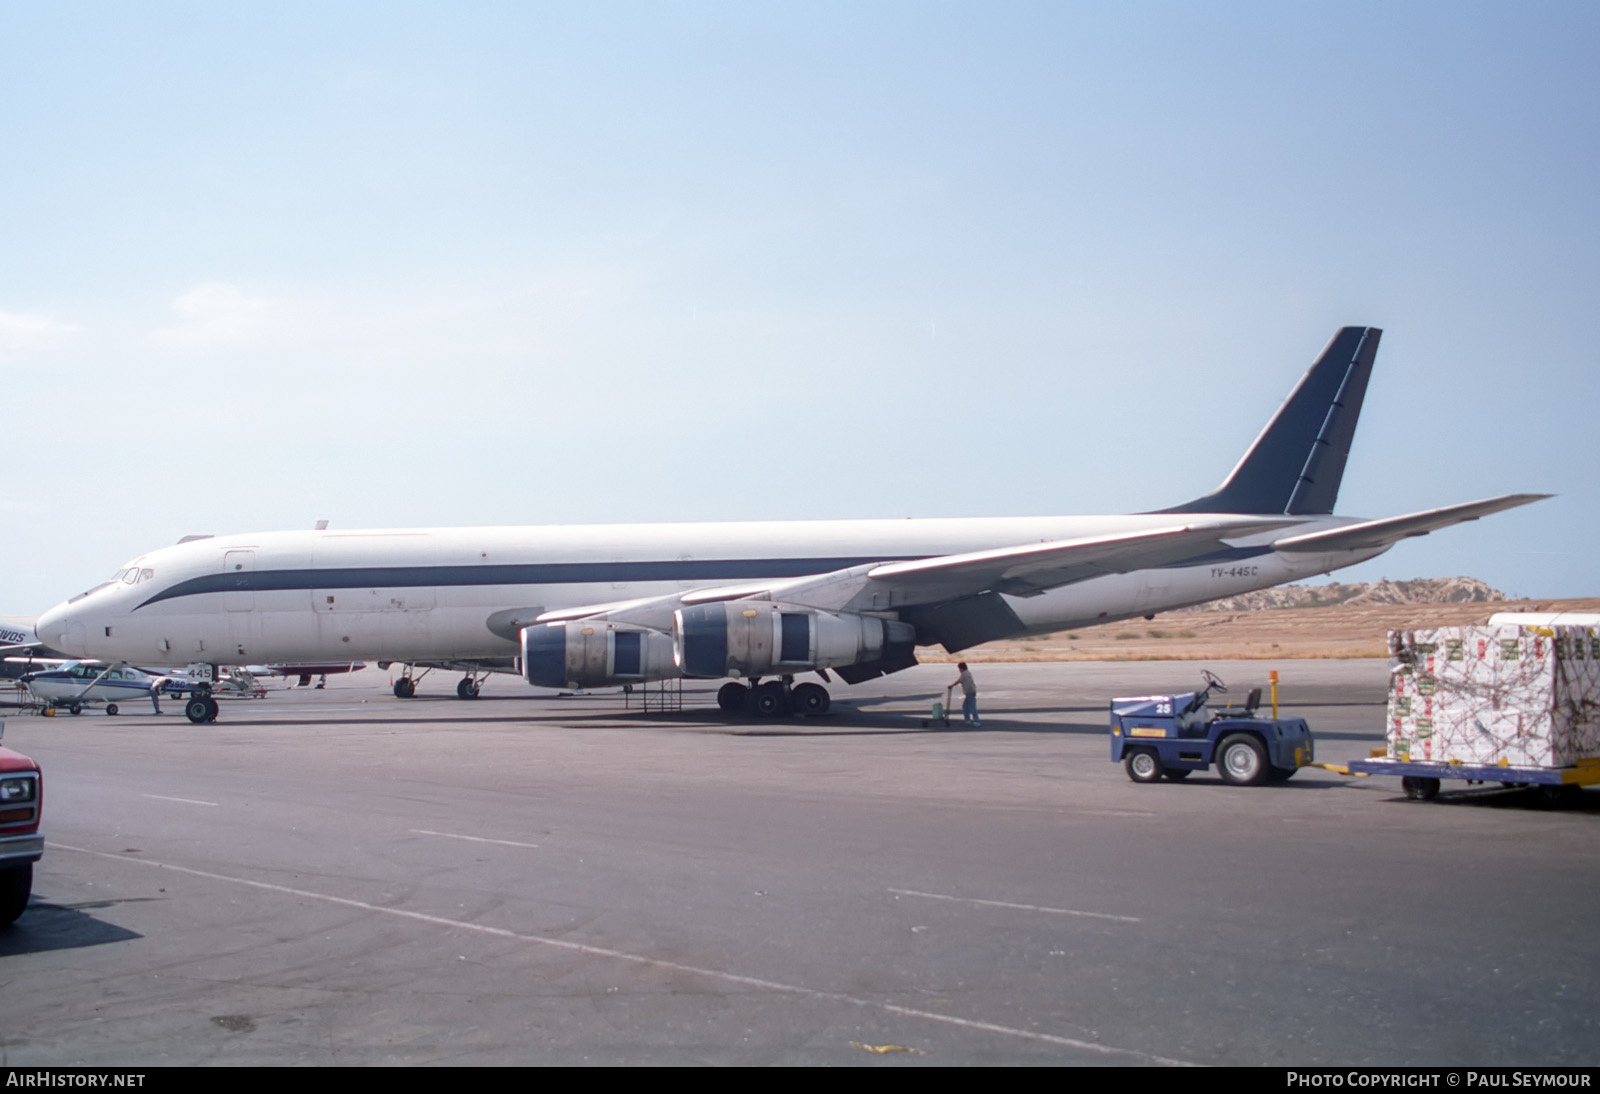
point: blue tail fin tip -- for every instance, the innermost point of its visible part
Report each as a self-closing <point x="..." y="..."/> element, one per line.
<point x="1296" y="464"/>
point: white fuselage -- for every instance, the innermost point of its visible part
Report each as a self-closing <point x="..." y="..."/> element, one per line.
<point x="432" y="594"/>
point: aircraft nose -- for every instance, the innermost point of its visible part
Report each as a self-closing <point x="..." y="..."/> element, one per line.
<point x="52" y="627"/>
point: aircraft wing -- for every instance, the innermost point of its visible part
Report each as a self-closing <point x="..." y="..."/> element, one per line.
<point x="1023" y="570"/>
<point x="1381" y="533"/>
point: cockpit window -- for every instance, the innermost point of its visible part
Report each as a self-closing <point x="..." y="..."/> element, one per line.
<point x="146" y="574"/>
<point x="132" y="575"/>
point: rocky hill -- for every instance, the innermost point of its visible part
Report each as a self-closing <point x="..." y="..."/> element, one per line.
<point x="1422" y="590"/>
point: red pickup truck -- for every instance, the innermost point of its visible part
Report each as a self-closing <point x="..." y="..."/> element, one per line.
<point x="21" y="844"/>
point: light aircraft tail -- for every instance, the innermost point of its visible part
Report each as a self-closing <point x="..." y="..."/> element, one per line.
<point x="1295" y="465"/>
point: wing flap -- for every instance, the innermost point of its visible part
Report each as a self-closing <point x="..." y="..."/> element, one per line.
<point x="1382" y="533"/>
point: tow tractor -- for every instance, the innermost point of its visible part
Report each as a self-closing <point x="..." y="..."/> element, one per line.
<point x="1172" y="735"/>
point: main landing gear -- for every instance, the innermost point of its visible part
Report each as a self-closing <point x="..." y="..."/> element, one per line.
<point x="405" y="687"/>
<point x="773" y="698"/>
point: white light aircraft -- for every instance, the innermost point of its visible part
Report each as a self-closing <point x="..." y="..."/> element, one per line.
<point x="591" y="606"/>
<point x="74" y="685"/>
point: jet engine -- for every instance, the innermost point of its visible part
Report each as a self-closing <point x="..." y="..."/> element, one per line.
<point x="758" y="638"/>
<point x="594" y="653"/>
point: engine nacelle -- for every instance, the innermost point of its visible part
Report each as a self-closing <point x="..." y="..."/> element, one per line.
<point x="757" y="638"/>
<point x="594" y="653"/>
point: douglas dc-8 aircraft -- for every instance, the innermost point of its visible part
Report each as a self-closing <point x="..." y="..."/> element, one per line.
<point x="590" y="606"/>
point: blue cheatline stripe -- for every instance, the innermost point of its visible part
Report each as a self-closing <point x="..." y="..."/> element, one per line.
<point x="547" y="573"/>
<point x="561" y="573"/>
<point x="125" y="685"/>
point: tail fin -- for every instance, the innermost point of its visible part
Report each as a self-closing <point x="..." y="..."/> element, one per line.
<point x="1296" y="463"/>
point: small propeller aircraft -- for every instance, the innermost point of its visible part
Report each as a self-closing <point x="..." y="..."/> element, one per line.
<point x="74" y="685"/>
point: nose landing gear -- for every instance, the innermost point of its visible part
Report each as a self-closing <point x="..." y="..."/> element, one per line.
<point x="201" y="709"/>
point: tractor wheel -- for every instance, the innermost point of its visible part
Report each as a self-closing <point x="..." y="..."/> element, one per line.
<point x="1241" y="760"/>
<point x="1143" y="765"/>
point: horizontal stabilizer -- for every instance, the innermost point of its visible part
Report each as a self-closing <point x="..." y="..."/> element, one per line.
<point x="1382" y="533"/>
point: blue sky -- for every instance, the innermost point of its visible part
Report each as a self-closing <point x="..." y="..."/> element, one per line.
<point x="403" y="264"/>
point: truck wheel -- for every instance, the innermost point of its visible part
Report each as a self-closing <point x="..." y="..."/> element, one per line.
<point x="1143" y="765"/>
<point x="1241" y="760"/>
<point x="1282" y="774"/>
<point x="1177" y="774"/>
<point x="15" y="885"/>
<point x="1418" y="788"/>
<point x="1559" y="794"/>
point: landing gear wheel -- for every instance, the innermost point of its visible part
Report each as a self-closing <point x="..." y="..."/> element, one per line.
<point x="731" y="697"/>
<point x="405" y="688"/>
<point x="15" y="885"/>
<point x="198" y="710"/>
<point x="467" y="689"/>
<point x="768" y="700"/>
<point x="1143" y="765"/>
<point x="111" y="709"/>
<point x="212" y="709"/>
<point x="1419" y="788"/>
<point x="74" y="708"/>
<point x="1242" y="761"/>
<point x="810" y="699"/>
